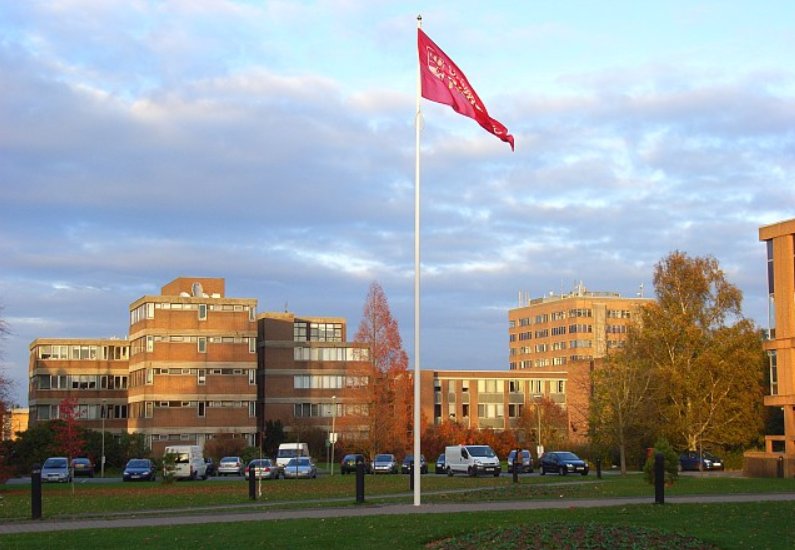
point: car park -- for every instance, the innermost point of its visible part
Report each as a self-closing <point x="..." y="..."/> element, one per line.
<point x="348" y="463"/>
<point x="301" y="467"/>
<point x="262" y="468"/>
<point x="385" y="464"/>
<point x="56" y="470"/>
<point x="230" y="465"/>
<point x="524" y="464"/>
<point x="139" y="469"/>
<point x="440" y="464"/>
<point x="82" y="467"/>
<point x="562" y="462"/>
<point x="689" y="460"/>
<point x="408" y="462"/>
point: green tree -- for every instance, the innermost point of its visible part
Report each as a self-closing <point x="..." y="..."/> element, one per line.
<point x="670" y="462"/>
<point x="710" y="371"/>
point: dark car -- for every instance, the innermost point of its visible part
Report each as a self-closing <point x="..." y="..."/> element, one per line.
<point x="524" y="464"/>
<point x="212" y="467"/>
<point x="408" y="461"/>
<point x="139" y="469"/>
<point x="689" y="460"/>
<point x="562" y="462"/>
<point x="82" y="467"/>
<point x="440" y="465"/>
<point x="348" y="463"/>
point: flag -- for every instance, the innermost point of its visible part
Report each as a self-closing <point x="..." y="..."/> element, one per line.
<point x="442" y="81"/>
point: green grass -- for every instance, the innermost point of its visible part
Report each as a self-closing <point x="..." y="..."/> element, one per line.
<point x="729" y="526"/>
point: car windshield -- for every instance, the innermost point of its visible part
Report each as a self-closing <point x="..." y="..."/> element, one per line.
<point x="138" y="464"/>
<point x="298" y="462"/>
<point x="233" y="460"/>
<point x="710" y="456"/>
<point x="55" y="463"/>
<point x="81" y="461"/>
<point x="383" y="458"/>
<point x="481" y="451"/>
<point x="288" y="453"/>
<point x="568" y="456"/>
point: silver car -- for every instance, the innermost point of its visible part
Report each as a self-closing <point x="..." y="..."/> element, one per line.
<point x="301" y="467"/>
<point x="262" y="468"/>
<point x="231" y="465"/>
<point x="56" y="469"/>
<point x="385" y="464"/>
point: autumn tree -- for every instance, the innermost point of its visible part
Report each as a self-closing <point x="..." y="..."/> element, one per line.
<point x="68" y="433"/>
<point x="709" y="358"/>
<point x="391" y="395"/>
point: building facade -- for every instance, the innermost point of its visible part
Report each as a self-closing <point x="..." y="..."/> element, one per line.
<point x="311" y="377"/>
<point x="556" y="330"/>
<point x="91" y="373"/>
<point x="192" y="366"/>
<point x="778" y="457"/>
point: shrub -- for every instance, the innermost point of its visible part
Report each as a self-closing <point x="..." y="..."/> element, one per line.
<point x="671" y="462"/>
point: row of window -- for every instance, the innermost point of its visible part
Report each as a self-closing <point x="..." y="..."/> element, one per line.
<point x="83" y="352"/>
<point x="143" y="377"/>
<point x="147" y="310"/>
<point x="555" y="346"/>
<point x="79" y="382"/>
<point x="574" y="312"/>
<point x="328" y="382"/>
<point x="147" y="343"/>
<point x="330" y="354"/>
<point x="546" y="362"/>
<point x="83" y="412"/>
<point x="146" y="409"/>
<point x="317" y="332"/>
<point x="328" y="410"/>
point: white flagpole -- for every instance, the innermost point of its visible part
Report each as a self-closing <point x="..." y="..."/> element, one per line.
<point x="418" y="126"/>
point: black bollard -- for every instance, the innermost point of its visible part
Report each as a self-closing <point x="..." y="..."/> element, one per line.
<point x="659" y="478"/>
<point x="411" y="477"/>
<point x="252" y="483"/>
<point x="780" y="467"/>
<point x="517" y="463"/>
<point x="35" y="492"/>
<point x="598" y="468"/>
<point x="359" y="482"/>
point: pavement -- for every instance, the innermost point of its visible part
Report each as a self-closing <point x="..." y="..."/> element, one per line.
<point x="228" y="514"/>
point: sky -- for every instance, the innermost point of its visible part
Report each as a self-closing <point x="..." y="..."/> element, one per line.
<point x="273" y="144"/>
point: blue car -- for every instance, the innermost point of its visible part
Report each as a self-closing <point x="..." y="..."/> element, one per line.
<point x="689" y="460"/>
<point x="139" y="469"/>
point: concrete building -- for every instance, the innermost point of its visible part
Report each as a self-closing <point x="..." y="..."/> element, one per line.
<point x="778" y="457"/>
<point x="192" y="366"/>
<point x="93" y="373"/>
<point x="14" y="420"/>
<point x="311" y="377"/>
<point x="557" y="330"/>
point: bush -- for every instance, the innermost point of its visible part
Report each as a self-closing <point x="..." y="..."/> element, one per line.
<point x="671" y="462"/>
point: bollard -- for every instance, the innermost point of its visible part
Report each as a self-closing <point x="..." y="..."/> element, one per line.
<point x="359" y="482"/>
<point x="252" y="483"/>
<point x="517" y="459"/>
<point x="35" y="492"/>
<point x="598" y="468"/>
<point x="659" y="478"/>
<point x="411" y="477"/>
<point x="780" y="467"/>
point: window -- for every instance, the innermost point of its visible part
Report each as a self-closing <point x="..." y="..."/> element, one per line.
<point x="252" y="345"/>
<point x="514" y="386"/>
<point x="202" y="344"/>
<point x="202" y="312"/>
<point x="150" y="376"/>
<point x="515" y="410"/>
<point x="149" y="409"/>
<point x="201" y="408"/>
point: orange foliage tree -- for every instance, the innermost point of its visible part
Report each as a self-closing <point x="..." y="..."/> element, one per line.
<point x="391" y="406"/>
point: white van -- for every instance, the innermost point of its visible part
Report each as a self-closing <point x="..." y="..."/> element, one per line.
<point x="290" y="450"/>
<point x="471" y="460"/>
<point x="188" y="463"/>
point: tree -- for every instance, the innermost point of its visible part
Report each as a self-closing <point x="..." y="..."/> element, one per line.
<point x="274" y="436"/>
<point x="390" y="408"/>
<point x="710" y="372"/>
<point x="69" y="438"/>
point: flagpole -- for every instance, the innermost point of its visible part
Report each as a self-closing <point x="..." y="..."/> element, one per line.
<point x="418" y="125"/>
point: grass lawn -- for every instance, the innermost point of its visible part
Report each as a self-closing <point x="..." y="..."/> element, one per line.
<point x="746" y="525"/>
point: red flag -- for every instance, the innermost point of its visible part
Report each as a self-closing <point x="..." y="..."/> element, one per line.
<point x="442" y="81"/>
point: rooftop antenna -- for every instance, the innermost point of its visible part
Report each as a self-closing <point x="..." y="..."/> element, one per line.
<point x="640" y="291"/>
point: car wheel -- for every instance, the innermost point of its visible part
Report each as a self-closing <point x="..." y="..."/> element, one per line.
<point x="449" y="471"/>
<point x="585" y="473"/>
<point x="563" y="471"/>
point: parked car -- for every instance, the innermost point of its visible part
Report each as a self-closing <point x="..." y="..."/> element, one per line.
<point x="348" y="463"/>
<point x="231" y="465"/>
<point x="56" y="470"/>
<point x="212" y="467"/>
<point x="562" y="462"/>
<point x="385" y="464"/>
<point x="301" y="467"/>
<point x="408" y="461"/>
<point x="525" y="462"/>
<point x="262" y="468"/>
<point x="139" y="469"/>
<point x="82" y="467"/>
<point x="440" y="465"/>
<point x="689" y="460"/>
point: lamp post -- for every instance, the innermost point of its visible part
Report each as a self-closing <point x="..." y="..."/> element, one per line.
<point x="333" y="434"/>
<point x="102" y="460"/>
<point x="537" y="403"/>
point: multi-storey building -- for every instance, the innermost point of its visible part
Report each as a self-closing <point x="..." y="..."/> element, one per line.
<point x="778" y="457"/>
<point x="556" y="330"/>
<point x="192" y="366"/>
<point x="14" y="421"/>
<point x="311" y="377"/>
<point x="91" y="373"/>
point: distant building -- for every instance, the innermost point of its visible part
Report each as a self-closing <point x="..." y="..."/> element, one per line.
<point x="778" y="457"/>
<point x="14" y="420"/>
<point x="557" y="330"/>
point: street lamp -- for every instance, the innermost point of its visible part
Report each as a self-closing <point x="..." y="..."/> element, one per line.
<point x="102" y="461"/>
<point x="537" y="403"/>
<point x="333" y="435"/>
